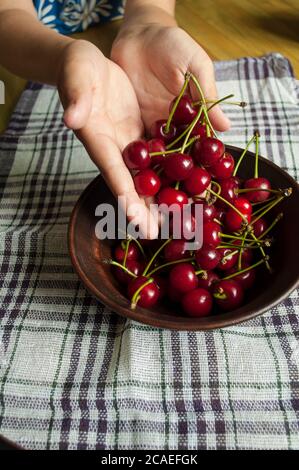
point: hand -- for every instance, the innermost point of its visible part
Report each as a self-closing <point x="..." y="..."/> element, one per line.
<point x="155" y="58"/>
<point x="101" y="107"/>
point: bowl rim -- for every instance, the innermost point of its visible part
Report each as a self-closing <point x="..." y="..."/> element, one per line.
<point x="179" y="323"/>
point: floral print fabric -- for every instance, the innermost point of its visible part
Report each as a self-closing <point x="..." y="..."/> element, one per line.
<point x="71" y="16"/>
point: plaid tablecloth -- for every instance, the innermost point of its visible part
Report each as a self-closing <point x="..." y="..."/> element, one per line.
<point x="75" y="375"/>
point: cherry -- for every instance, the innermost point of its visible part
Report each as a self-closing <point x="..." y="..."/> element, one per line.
<point x="223" y="168"/>
<point x="176" y="249"/>
<point x="246" y="279"/>
<point x="133" y="252"/>
<point x="209" y="212"/>
<point x="259" y="227"/>
<point x="208" y="151"/>
<point x="221" y="213"/>
<point x="158" y="131"/>
<point x="199" y="129"/>
<point x="178" y="166"/>
<point x="197" y="182"/>
<point x="211" y="233"/>
<point x="132" y="265"/>
<point x="161" y="283"/>
<point x="228" y="259"/>
<point x="229" y="294"/>
<point x="147" y="182"/>
<point x="185" y="112"/>
<point x="149" y="295"/>
<point x="182" y="277"/>
<point x="207" y="279"/>
<point x="228" y="192"/>
<point x="247" y="253"/>
<point x="233" y="221"/>
<point x="243" y="205"/>
<point x="171" y="196"/>
<point x="207" y="257"/>
<point x="185" y="227"/>
<point x="197" y="303"/>
<point x="155" y="146"/>
<point x="257" y="196"/>
<point x="136" y="155"/>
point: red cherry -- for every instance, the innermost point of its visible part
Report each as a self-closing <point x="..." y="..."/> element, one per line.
<point x="246" y="279"/>
<point x="161" y="283"/>
<point x="234" y="221"/>
<point x="257" y="196"/>
<point x="185" y="112"/>
<point x="178" y="166"/>
<point x="172" y="196"/>
<point x="247" y="253"/>
<point x="185" y="227"/>
<point x="243" y="205"/>
<point x="134" y="266"/>
<point x="197" y="182"/>
<point x="176" y="249"/>
<point x="228" y="192"/>
<point x="209" y="212"/>
<point x="221" y="213"/>
<point x="182" y="277"/>
<point x="136" y="155"/>
<point x="228" y="259"/>
<point x="207" y="257"/>
<point x="259" y="227"/>
<point x="158" y="131"/>
<point x="147" y="182"/>
<point x="156" y="145"/>
<point x="197" y="303"/>
<point x="199" y="129"/>
<point x="149" y="295"/>
<point x="208" y="151"/>
<point x="133" y="253"/>
<point x="223" y="168"/>
<point x="207" y="279"/>
<point x="229" y="294"/>
<point x="211" y="233"/>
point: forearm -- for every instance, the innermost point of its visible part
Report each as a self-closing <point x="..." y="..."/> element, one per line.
<point x="140" y="12"/>
<point x="28" y="48"/>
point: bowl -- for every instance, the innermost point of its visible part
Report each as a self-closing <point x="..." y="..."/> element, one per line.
<point x="87" y="255"/>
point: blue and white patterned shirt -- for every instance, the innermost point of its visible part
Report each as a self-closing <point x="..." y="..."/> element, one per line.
<point x="72" y="16"/>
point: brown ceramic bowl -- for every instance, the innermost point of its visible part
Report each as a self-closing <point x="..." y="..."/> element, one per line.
<point x="87" y="252"/>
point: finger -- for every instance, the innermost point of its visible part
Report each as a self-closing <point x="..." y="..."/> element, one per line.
<point x="106" y="155"/>
<point x="204" y="71"/>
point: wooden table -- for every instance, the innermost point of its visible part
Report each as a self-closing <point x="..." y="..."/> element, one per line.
<point x="226" y="29"/>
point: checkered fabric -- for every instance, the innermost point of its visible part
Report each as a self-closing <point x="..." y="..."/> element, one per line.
<point x="74" y="375"/>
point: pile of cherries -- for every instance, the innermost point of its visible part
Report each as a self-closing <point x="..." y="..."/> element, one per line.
<point x="184" y="163"/>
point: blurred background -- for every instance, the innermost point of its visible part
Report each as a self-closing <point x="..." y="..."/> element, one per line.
<point x="227" y="29"/>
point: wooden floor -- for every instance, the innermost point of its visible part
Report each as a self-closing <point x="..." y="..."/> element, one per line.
<point x="226" y="29"/>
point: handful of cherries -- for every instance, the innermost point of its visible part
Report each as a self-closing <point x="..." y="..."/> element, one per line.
<point x="183" y="164"/>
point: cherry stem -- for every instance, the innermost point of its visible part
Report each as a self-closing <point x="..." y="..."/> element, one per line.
<point x="126" y="251"/>
<point x="200" y="271"/>
<point x="220" y="294"/>
<point x="243" y="155"/>
<point x="267" y="209"/>
<point x="193" y="124"/>
<point x="231" y="245"/>
<point x="115" y="263"/>
<point x="248" y="190"/>
<point x="241" y="271"/>
<point x="235" y="237"/>
<point x="204" y="105"/>
<point x="170" y="263"/>
<point x="229" y="204"/>
<point x="219" y="101"/>
<point x="136" y="296"/>
<point x="242" y="104"/>
<point x="176" y="103"/>
<point x="177" y="185"/>
<point x="166" y="152"/>
<point x="136" y="241"/>
<point x="256" y="168"/>
<point x="241" y="250"/>
<point x="229" y="255"/>
<point x="155" y="256"/>
<point x="263" y="202"/>
<point x="275" y="221"/>
<point x="262" y="251"/>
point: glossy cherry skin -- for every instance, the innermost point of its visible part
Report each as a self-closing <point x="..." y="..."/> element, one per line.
<point x="176" y="249"/>
<point x="136" y="267"/>
<point x="185" y="112"/>
<point x="171" y="196"/>
<point x="257" y="196"/>
<point x="136" y="155"/>
<point x="223" y="168"/>
<point x="207" y="279"/>
<point x="147" y="182"/>
<point x="208" y="151"/>
<point x="178" y="166"/>
<point x="161" y="283"/>
<point x="197" y="303"/>
<point x="149" y="295"/>
<point x="185" y="227"/>
<point x="233" y="221"/>
<point x="182" y="277"/>
<point x="232" y="292"/>
<point x="228" y="192"/>
<point x="211" y="233"/>
<point x="133" y="253"/>
<point x="259" y="227"/>
<point x="155" y="146"/>
<point x="197" y="181"/>
<point x="246" y="279"/>
<point x="207" y="257"/>
<point x="227" y="258"/>
<point x="209" y="212"/>
<point x="247" y="254"/>
<point x="158" y="131"/>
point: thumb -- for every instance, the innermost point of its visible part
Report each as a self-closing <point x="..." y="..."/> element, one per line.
<point x="204" y="71"/>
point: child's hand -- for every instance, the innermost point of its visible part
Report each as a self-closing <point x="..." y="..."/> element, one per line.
<point x="156" y="58"/>
<point x="101" y="106"/>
